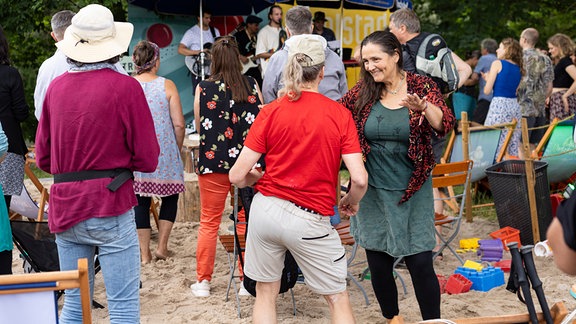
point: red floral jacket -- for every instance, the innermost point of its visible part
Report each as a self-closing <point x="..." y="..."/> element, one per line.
<point x="420" y="147"/>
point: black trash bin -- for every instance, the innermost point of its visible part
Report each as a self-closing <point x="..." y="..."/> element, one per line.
<point x="510" y="192"/>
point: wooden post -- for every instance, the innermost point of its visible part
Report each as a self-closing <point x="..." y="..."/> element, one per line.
<point x="466" y="156"/>
<point x="530" y="181"/>
<point x="189" y="201"/>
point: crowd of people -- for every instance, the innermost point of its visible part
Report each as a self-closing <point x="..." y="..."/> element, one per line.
<point x="273" y="111"/>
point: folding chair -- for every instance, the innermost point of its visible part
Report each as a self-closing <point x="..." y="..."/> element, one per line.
<point x="343" y="229"/>
<point x="558" y="150"/>
<point x="12" y="310"/>
<point x="451" y="175"/>
<point x="23" y="205"/>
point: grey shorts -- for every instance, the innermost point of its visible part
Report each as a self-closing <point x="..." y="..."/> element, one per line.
<point x="277" y="225"/>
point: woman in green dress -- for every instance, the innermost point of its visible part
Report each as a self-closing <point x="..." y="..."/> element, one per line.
<point x="395" y="113"/>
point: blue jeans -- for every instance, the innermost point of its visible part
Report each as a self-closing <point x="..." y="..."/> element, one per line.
<point x="119" y="254"/>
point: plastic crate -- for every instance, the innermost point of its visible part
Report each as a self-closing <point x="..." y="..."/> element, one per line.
<point x="490" y="250"/>
<point x="505" y="265"/>
<point x="484" y="280"/>
<point x="510" y="192"/>
<point x="506" y="235"/>
<point x="442" y="282"/>
<point x="457" y="284"/>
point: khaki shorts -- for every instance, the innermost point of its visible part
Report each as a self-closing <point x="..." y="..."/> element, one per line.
<point x="277" y="225"/>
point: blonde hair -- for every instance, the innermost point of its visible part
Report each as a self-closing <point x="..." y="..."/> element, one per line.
<point x="295" y="75"/>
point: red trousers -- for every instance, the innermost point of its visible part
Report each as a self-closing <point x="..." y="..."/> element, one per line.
<point x="214" y="189"/>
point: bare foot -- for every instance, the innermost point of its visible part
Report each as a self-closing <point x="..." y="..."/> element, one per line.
<point x="162" y="256"/>
<point x="146" y="257"/>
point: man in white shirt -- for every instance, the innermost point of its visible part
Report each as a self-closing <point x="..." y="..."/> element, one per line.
<point x="57" y="64"/>
<point x="270" y="38"/>
<point x="191" y="47"/>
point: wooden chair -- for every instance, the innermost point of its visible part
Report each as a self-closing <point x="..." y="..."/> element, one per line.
<point x="46" y="281"/>
<point x="23" y="206"/>
<point x="343" y="229"/>
<point x="451" y="175"/>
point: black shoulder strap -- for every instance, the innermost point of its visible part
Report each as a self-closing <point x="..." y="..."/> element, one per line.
<point x="213" y="31"/>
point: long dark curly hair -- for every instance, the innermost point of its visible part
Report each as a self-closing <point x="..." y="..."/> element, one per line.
<point x="372" y="90"/>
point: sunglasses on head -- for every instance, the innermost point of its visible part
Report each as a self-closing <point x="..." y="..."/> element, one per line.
<point x="226" y="39"/>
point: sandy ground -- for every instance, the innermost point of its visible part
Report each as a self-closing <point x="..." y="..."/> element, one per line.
<point x="166" y="296"/>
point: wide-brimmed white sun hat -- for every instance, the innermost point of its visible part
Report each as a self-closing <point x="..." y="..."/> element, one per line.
<point x="94" y="36"/>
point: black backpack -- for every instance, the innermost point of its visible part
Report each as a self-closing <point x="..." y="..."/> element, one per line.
<point x="290" y="271"/>
<point x="433" y="58"/>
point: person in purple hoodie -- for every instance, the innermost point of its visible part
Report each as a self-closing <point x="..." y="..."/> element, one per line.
<point x="94" y="131"/>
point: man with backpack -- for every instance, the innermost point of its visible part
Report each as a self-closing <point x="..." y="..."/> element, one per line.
<point x="192" y="48"/>
<point x="405" y="25"/>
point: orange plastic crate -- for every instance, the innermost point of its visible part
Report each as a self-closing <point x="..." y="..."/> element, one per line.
<point x="507" y="235"/>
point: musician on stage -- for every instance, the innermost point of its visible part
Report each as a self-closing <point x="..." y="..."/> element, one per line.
<point x="191" y="47"/>
<point x="246" y="40"/>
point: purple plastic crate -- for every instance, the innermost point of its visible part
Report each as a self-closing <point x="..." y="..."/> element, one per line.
<point x="490" y="250"/>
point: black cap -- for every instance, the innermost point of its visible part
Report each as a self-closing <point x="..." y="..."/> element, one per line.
<point x="253" y="20"/>
<point x="319" y="16"/>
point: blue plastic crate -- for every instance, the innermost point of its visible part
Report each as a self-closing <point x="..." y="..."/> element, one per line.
<point x="484" y="280"/>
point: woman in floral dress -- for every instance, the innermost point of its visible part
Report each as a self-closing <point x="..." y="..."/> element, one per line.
<point x="225" y="107"/>
<point x="168" y="179"/>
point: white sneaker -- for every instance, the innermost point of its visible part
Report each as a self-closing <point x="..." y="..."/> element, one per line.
<point x="201" y="289"/>
<point x="242" y="291"/>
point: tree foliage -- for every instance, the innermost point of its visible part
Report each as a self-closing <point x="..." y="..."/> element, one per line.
<point x="465" y="23"/>
<point x="27" y="27"/>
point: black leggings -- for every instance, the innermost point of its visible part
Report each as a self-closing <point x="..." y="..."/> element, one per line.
<point x="6" y="262"/>
<point x="423" y="278"/>
<point x="168" y="210"/>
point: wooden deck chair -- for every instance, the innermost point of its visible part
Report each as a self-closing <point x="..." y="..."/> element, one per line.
<point x="16" y="291"/>
<point x="451" y="175"/>
<point x="481" y="148"/>
<point x="557" y="148"/>
<point x="24" y="206"/>
<point x="343" y="229"/>
<point x="558" y="311"/>
<point x="479" y="144"/>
